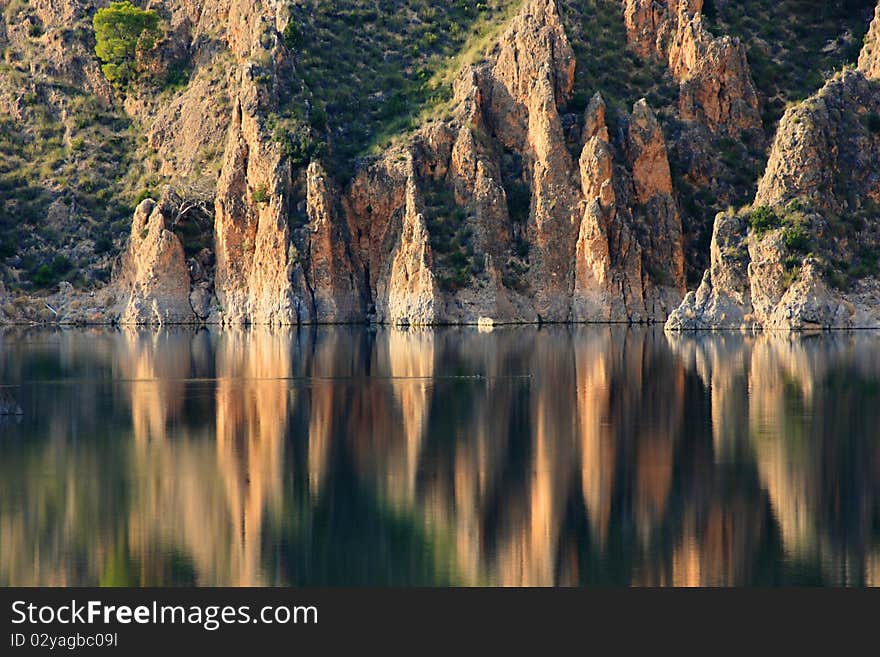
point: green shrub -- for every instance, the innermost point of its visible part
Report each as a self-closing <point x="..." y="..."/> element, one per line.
<point x="866" y="265"/>
<point x="178" y="75"/>
<point x="450" y="238"/>
<point x="762" y="219"/>
<point x="838" y="278"/>
<point x="61" y="265"/>
<point x="143" y="195"/>
<point x="124" y="35"/>
<point x="47" y="275"/>
<point x="292" y="34"/>
<point x="44" y="276"/>
<point x="873" y="122"/>
<point x="797" y="239"/>
<point x="791" y="273"/>
<point x="260" y="194"/>
<point x="520" y="248"/>
<point x="519" y="201"/>
<point x="103" y="244"/>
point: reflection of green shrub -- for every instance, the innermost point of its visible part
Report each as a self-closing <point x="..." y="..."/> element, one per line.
<point x="124" y="34"/>
<point x="873" y="122"/>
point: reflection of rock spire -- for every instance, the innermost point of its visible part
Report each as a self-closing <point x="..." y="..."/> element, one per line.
<point x="411" y="364"/>
<point x="719" y="544"/>
<point x="252" y="410"/>
<point x="492" y="472"/>
<point x="529" y="548"/>
<point x="180" y="485"/>
<point x="722" y="363"/>
<point x="660" y="400"/>
<point x="775" y="430"/>
<point x="597" y="442"/>
<point x="155" y="365"/>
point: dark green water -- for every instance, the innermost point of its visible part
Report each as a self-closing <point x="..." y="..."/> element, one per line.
<point x="523" y="456"/>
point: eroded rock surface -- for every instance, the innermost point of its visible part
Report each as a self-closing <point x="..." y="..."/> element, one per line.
<point x="809" y="260"/>
<point x="152" y="277"/>
<point x="512" y="208"/>
<point x="380" y="249"/>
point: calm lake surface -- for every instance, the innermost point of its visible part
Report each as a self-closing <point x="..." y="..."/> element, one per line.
<point x="521" y="456"/>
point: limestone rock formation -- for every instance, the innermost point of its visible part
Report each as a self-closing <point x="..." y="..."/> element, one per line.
<point x="825" y="150"/>
<point x="811" y="255"/>
<point x="511" y="208"/>
<point x="411" y="293"/>
<point x="152" y="276"/>
<point x="724" y="296"/>
<point x="369" y="251"/>
<point x="334" y="284"/>
<point x="534" y="70"/>
<point x="574" y="257"/>
<point x="622" y="271"/>
<point x="716" y="88"/>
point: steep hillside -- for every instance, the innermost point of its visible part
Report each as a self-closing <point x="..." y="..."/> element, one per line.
<point x="64" y="150"/>
<point x="373" y="70"/>
<point x="77" y="154"/>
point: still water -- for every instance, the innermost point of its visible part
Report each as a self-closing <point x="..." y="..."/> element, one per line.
<point x="521" y="456"/>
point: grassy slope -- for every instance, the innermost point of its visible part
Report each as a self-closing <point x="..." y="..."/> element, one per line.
<point x="67" y="146"/>
<point x="78" y="161"/>
<point x="605" y="63"/>
<point x="374" y="69"/>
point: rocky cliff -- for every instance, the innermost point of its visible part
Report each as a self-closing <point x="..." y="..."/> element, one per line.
<point x="515" y="203"/>
<point x="805" y="254"/>
<point x="869" y="58"/>
<point x="152" y="276"/>
<point x="425" y="235"/>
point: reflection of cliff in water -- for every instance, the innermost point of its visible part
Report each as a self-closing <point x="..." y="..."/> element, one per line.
<point x="519" y="457"/>
<point x="808" y="409"/>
